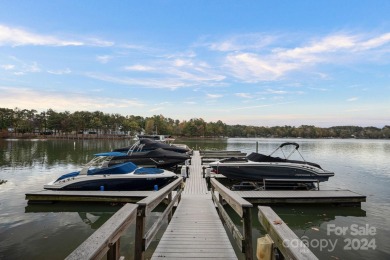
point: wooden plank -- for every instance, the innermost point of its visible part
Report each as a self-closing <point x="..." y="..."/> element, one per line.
<point x="97" y="245"/>
<point x="282" y="235"/>
<point x="87" y="196"/>
<point x="322" y="196"/>
<point x="195" y="231"/>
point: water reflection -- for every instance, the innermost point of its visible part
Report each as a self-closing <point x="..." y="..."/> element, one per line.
<point x="76" y="222"/>
<point x="27" y="153"/>
<point x="93" y="214"/>
<point x="304" y="220"/>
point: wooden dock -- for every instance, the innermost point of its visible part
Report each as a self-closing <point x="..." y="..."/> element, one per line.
<point x="195" y="230"/>
<point x="87" y="196"/>
<point x="302" y="196"/>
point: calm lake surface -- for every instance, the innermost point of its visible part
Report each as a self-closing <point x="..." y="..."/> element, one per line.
<point x="332" y="232"/>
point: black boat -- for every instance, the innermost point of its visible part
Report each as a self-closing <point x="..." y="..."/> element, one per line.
<point x="146" y="144"/>
<point x="258" y="167"/>
<point x="159" y="158"/>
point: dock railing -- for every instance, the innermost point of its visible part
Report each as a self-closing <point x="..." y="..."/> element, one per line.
<point x="243" y="208"/>
<point x="145" y="207"/>
<point x="282" y="237"/>
<point x="106" y="240"/>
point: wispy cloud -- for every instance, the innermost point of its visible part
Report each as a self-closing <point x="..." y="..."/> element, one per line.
<point x="156" y="109"/>
<point x="275" y="62"/>
<point x="140" y="82"/>
<point x="18" y="37"/>
<point x="249" y="41"/>
<point x="104" y="58"/>
<point x="7" y="66"/>
<point x="213" y="96"/>
<point x="60" y="72"/>
<point x="243" y="95"/>
<point x="352" y="99"/>
<point x="42" y="100"/>
<point x="139" y="68"/>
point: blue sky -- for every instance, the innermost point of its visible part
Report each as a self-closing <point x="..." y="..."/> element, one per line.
<point x="263" y="63"/>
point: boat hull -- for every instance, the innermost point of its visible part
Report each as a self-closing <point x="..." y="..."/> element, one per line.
<point x="111" y="184"/>
<point x="260" y="171"/>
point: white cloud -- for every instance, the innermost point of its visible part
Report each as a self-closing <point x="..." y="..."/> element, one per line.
<point x="243" y="95"/>
<point x="352" y="99"/>
<point x="156" y="109"/>
<point x="104" y="59"/>
<point x="41" y="100"/>
<point x="375" y="42"/>
<point x="7" y="67"/>
<point x="214" y="96"/>
<point x="60" y="72"/>
<point x="190" y="102"/>
<point x="142" y="82"/>
<point x="17" y="37"/>
<point x="253" y="41"/>
<point x="274" y="62"/>
<point x="139" y="68"/>
<point x="98" y="42"/>
<point x="278" y="92"/>
<point x="251" y="67"/>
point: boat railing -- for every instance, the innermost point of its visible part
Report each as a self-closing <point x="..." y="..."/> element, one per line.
<point x="143" y="238"/>
<point x="106" y="240"/>
<point x="279" y="236"/>
<point x="243" y="208"/>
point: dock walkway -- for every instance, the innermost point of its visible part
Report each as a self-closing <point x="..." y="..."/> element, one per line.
<point x="195" y="230"/>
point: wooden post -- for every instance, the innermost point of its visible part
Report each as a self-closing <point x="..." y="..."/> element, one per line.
<point x="139" y="233"/>
<point x="264" y="248"/>
<point x="169" y="202"/>
<point x="247" y="219"/>
<point x="114" y="251"/>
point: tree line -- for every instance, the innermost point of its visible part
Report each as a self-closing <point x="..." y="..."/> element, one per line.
<point x="32" y="122"/>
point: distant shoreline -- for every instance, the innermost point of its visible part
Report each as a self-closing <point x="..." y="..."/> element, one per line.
<point x="126" y="137"/>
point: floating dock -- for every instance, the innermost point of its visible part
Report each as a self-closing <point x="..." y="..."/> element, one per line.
<point x="302" y="196"/>
<point x="47" y="196"/>
<point x="195" y="229"/>
<point x="196" y="185"/>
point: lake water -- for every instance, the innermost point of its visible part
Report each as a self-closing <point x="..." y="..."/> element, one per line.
<point x="332" y="232"/>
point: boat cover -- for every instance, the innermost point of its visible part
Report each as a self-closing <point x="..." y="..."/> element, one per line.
<point x="258" y="157"/>
<point x="148" y="171"/>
